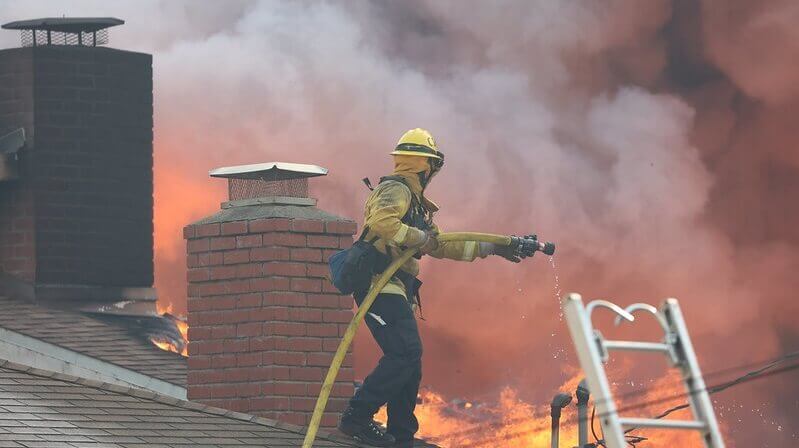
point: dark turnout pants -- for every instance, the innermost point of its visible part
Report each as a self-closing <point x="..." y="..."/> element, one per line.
<point x="395" y="380"/>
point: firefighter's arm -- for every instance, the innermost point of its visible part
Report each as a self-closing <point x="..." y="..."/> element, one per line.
<point x="456" y="250"/>
<point x="388" y="204"/>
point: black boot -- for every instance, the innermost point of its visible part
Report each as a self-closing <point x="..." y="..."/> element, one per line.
<point x="364" y="430"/>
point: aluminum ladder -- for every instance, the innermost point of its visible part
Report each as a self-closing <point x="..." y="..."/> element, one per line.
<point x="592" y="351"/>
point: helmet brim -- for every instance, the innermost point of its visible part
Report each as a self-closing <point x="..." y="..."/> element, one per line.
<point x="416" y="153"/>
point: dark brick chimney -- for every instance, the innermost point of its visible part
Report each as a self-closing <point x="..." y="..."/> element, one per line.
<point x="76" y="220"/>
<point x="264" y="321"/>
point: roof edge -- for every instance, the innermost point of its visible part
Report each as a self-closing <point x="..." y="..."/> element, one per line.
<point x="36" y="353"/>
<point x="169" y="400"/>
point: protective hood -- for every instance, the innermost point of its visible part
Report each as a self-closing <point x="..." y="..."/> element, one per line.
<point x="409" y="168"/>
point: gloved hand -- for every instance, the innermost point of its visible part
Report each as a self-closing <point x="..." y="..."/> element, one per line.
<point x="506" y="252"/>
<point x="431" y="243"/>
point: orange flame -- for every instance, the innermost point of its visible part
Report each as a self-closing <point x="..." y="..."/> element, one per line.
<point x="513" y="423"/>
<point x="183" y="328"/>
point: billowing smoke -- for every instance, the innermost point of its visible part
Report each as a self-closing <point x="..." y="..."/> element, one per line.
<point x="656" y="143"/>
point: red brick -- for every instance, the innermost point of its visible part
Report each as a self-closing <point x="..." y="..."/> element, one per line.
<point x="286" y="328"/>
<point x="248" y="390"/>
<point x="223" y="332"/>
<point x="199" y="362"/>
<point x="328" y="420"/>
<point x="210" y="259"/>
<point x="222" y="361"/>
<point x="199" y="333"/>
<point x="291" y="389"/>
<point x="284" y="269"/>
<point x="302" y="404"/>
<point x="270" y="225"/>
<point x="319" y="359"/>
<point x="346" y="374"/>
<point x="306" y="285"/>
<point x="270" y="253"/>
<point x="222" y="272"/>
<point x="192" y="261"/>
<point x="196" y="392"/>
<point x="237" y="256"/>
<point x="280" y="372"/>
<point x="305" y="315"/>
<point x="207" y="230"/>
<point x="324" y="300"/>
<point x="270" y="284"/>
<point x="234" y="228"/>
<point x="223" y="391"/>
<point x="249" y="329"/>
<point x="271" y="403"/>
<point x="322" y="330"/>
<point x="306" y="373"/>
<point x="307" y="226"/>
<point x="294" y="418"/>
<point x="345" y="242"/>
<point x="279" y="313"/>
<point x="248" y="241"/>
<point x="199" y="245"/>
<point x="235" y="316"/>
<point x="328" y="287"/>
<point x="324" y="241"/>
<point x="249" y="270"/>
<point x="299" y="344"/>
<point x="237" y="286"/>
<point x="284" y="239"/>
<point x="188" y="232"/>
<point x="248" y="359"/>
<point x="262" y="343"/>
<point x="203" y="318"/>
<point x="224" y="303"/>
<point x="341" y="227"/>
<point x="327" y="253"/>
<point x="261" y="314"/>
<point x="206" y="347"/>
<point x="248" y="300"/>
<point x="289" y="358"/>
<point x="197" y="275"/>
<point x="287" y="299"/>
<point x="313" y="255"/>
<point x="237" y="346"/>
<point x="317" y="270"/>
<point x="223" y="243"/>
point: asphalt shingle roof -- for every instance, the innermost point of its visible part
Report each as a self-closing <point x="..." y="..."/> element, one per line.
<point x="93" y="337"/>
<point x="46" y="409"/>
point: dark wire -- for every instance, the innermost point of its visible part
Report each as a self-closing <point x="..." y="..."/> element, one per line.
<point x="750" y="376"/>
<point x="499" y="421"/>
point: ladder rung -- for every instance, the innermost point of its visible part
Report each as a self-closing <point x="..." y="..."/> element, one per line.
<point x="628" y="423"/>
<point x="636" y="346"/>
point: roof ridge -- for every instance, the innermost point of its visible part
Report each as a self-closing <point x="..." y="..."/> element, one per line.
<point x="165" y="399"/>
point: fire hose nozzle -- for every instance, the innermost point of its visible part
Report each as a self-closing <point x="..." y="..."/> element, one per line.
<point x="527" y="245"/>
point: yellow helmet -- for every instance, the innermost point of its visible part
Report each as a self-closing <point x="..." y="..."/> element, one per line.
<point x="418" y="142"/>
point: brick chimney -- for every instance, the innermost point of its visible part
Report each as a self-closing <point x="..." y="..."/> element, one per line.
<point x="76" y="181"/>
<point x="264" y="321"/>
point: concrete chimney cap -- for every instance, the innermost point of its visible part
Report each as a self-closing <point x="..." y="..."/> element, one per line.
<point x="271" y="170"/>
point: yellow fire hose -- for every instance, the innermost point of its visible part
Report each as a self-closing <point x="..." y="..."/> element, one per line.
<point x="324" y="394"/>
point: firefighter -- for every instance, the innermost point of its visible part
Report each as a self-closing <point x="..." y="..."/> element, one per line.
<point x="398" y="216"/>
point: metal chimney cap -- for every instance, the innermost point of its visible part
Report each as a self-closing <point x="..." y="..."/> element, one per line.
<point x="65" y="24"/>
<point x="271" y="170"/>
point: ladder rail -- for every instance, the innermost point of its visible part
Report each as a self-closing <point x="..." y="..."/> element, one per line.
<point x="592" y="351"/>
<point x="588" y="353"/>
<point x="698" y="395"/>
